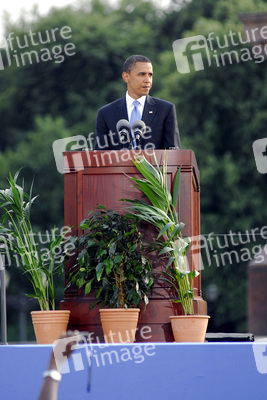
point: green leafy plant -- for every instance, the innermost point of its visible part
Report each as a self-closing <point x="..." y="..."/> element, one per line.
<point x="18" y="239"/>
<point x="161" y="213"/>
<point x="111" y="257"/>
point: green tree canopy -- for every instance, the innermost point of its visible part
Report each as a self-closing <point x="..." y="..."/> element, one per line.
<point x="221" y="110"/>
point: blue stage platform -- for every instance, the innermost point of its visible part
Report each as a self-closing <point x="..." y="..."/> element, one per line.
<point x="207" y="371"/>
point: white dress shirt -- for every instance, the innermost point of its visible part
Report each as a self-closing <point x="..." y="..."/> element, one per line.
<point x="130" y="106"/>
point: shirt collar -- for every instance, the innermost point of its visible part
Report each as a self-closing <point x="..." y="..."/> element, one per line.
<point x="130" y="100"/>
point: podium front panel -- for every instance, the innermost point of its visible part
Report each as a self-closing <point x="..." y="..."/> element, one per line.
<point x="103" y="178"/>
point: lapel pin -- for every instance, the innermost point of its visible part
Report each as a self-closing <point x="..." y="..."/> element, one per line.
<point x="150" y="112"/>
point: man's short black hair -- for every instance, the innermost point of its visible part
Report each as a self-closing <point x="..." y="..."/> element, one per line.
<point x="132" y="60"/>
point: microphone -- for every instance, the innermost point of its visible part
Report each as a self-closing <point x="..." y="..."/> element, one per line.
<point x="123" y="129"/>
<point x="138" y="129"/>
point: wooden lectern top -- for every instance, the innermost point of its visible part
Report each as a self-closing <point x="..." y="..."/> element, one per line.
<point x="75" y="161"/>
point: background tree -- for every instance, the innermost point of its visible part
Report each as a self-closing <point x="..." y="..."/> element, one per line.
<point x="221" y="111"/>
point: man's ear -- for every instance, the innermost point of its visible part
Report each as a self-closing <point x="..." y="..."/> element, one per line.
<point x="125" y="76"/>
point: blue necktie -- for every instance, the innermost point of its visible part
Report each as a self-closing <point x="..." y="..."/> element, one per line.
<point x="135" y="116"/>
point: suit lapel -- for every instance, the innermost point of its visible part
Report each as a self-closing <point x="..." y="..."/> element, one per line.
<point x="149" y="110"/>
<point x="121" y="109"/>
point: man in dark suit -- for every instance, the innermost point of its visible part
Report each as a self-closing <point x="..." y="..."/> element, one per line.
<point x="158" y="115"/>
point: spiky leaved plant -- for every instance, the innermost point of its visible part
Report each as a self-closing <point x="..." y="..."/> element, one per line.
<point x="162" y="214"/>
<point x="18" y="239"/>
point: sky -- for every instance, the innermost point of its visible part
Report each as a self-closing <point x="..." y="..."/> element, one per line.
<point x="15" y="8"/>
<point x="26" y="6"/>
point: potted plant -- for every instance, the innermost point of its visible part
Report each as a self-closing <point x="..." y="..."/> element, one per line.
<point x="40" y="265"/>
<point x="111" y="258"/>
<point x="161" y="212"/>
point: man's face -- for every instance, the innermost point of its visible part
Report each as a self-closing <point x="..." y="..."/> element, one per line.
<point x="139" y="79"/>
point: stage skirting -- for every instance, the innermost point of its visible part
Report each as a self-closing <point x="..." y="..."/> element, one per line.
<point x="208" y="371"/>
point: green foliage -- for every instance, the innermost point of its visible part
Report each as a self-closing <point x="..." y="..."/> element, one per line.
<point x="35" y="155"/>
<point x="162" y="214"/>
<point x="18" y="240"/>
<point x="111" y="257"/>
<point x="221" y="111"/>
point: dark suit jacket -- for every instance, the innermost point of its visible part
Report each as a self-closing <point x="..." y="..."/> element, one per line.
<point x="158" y="115"/>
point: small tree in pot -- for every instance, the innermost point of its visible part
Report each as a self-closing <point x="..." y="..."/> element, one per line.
<point x="111" y="258"/>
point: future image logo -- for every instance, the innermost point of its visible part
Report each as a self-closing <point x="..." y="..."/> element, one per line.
<point x="191" y="49"/>
<point x="32" y="47"/>
<point x="260" y="153"/>
<point x="198" y="52"/>
<point x="260" y="355"/>
<point x="73" y="143"/>
<point x="77" y="342"/>
<point x="4" y="47"/>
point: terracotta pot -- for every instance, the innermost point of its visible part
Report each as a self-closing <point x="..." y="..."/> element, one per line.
<point x="49" y="325"/>
<point x="189" y="328"/>
<point x="119" y="324"/>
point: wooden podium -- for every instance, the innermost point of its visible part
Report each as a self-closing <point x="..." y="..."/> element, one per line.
<point x="102" y="177"/>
